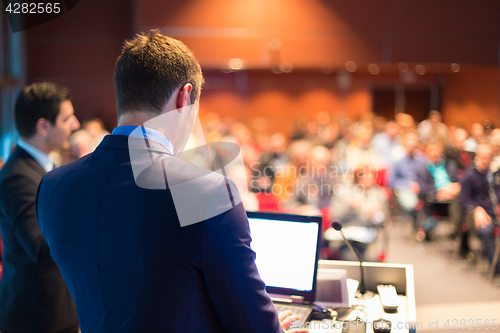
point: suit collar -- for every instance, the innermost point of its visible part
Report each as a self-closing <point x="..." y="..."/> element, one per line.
<point x="123" y="142"/>
<point x="42" y="158"/>
<point x="30" y="160"/>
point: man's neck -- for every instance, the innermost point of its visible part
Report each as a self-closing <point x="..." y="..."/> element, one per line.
<point x="135" y="118"/>
<point x="37" y="143"/>
<point x="436" y="163"/>
<point x="483" y="171"/>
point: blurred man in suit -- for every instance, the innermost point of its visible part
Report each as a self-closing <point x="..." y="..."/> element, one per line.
<point x="479" y="197"/>
<point x="130" y="262"/>
<point x="33" y="295"/>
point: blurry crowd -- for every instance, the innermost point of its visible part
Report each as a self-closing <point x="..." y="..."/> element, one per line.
<point x="365" y="172"/>
<point x="362" y="172"/>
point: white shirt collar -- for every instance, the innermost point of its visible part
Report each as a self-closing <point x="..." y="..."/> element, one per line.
<point x="42" y="158"/>
<point x="145" y="132"/>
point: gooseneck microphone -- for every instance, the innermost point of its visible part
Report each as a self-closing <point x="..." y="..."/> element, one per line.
<point x="337" y="225"/>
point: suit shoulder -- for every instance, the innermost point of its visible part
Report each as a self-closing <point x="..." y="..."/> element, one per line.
<point x="179" y="173"/>
<point x="62" y="170"/>
<point x="17" y="171"/>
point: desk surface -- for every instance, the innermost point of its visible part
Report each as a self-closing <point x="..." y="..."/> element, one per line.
<point x="370" y="309"/>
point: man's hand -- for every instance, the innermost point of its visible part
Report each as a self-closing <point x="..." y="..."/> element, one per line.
<point x="481" y="218"/>
<point x="443" y="195"/>
<point x="414" y="187"/>
<point x="448" y="192"/>
<point x="286" y="318"/>
<point x="454" y="189"/>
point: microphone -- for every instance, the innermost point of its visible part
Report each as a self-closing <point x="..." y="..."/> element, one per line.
<point x="337" y="225"/>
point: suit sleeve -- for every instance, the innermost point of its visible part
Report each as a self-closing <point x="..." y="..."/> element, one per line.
<point x="452" y="169"/>
<point x="395" y="178"/>
<point x="426" y="182"/>
<point x="18" y="193"/>
<point x="232" y="279"/>
<point x="465" y="199"/>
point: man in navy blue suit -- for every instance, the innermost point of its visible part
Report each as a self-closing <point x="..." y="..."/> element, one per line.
<point x="114" y="228"/>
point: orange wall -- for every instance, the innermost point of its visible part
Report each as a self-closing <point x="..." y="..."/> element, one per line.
<point x="316" y="32"/>
<point x="280" y="99"/>
<point x="472" y="96"/>
<point x="79" y="50"/>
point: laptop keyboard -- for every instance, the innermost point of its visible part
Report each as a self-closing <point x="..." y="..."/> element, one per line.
<point x="301" y="311"/>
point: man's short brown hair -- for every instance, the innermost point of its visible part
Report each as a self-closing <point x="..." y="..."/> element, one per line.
<point x="150" y="68"/>
<point x="38" y="100"/>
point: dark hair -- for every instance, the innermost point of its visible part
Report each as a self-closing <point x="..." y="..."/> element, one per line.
<point x="38" y="100"/>
<point x="150" y="68"/>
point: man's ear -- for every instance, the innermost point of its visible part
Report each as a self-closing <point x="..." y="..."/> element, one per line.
<point x="184" y="96"/>
<point x="42" y="126"/>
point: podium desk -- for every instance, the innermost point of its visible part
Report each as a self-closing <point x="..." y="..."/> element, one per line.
<point x="399" y="275"/>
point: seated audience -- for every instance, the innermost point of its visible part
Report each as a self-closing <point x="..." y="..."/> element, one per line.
<point x="321" y="178"/>
<point x="455" y="151"/>
<point x="432" y="128"/>
<point x="476" y="134"/>
<point x="439" y="185"/>
<point x="405" y="122"/>
<point x="403" y="177"/>
<point x="96" y="128"/>
<point x="294" y="174"/>
<point x="359" y="151"/>
<point x="386" y="143"/>
<point x="479" y="197"/>
<point x="80" y="143"/>
<point x="495" y="162"/>
<point x="362" y="203"/>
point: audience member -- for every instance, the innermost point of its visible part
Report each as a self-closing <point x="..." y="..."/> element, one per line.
<point x="359" y="151"/>
<point x="405" y="122"/>
<point x="80" y="143"/>
<point x="479" y="197"/>
<point x="403" y="176"/>
<point x="439" y="186"/>
<point x="476" y="134"/>
<point x="432" y="129"/>
<point x="96" y="129"/>
<point x="495" y="134"/>
<point x="294" y="174"/>
<point x="488" y="127"/>
<point x="321" y="178"/>
<point x="34" y="297"/>
<point x="386" y="143"/>
<point x="275" y="158"/>
<point x="455" y="151"/>
<point x="362" y="203"/>
<point x="495" y="147"/>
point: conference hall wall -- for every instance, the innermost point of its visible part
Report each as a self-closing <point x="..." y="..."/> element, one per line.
<point x="330" y="55"/>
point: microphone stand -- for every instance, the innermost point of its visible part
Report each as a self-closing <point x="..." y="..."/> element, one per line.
<point x="337" y="225"/>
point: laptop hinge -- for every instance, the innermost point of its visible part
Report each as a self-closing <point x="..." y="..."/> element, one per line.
<point x="297" y="299"/>
<point x="293" y="299"/>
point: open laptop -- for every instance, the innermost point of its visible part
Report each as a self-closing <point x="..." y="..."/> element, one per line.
<point x="287" y="248"/>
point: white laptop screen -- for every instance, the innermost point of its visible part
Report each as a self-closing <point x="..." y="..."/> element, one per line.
<point x="286" y="252"/>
